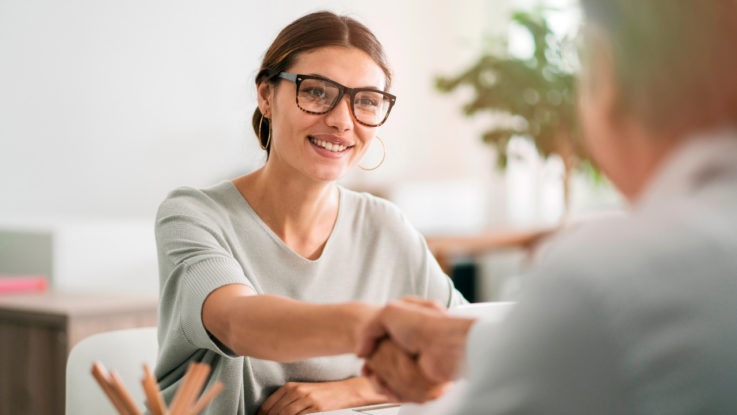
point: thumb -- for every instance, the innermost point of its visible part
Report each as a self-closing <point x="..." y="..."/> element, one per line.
<point x="369" y="336"/>
<point x="424" y="302"/>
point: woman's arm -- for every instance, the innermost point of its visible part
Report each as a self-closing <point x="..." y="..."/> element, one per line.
<point x="281" y="329"/>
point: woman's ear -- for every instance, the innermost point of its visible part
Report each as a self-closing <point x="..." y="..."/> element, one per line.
<point x="265" y="93"/>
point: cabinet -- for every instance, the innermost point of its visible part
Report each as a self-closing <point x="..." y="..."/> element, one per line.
<point x="37" y="332"/>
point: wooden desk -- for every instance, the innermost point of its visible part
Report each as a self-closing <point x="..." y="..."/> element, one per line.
<point x="37" y="332"/>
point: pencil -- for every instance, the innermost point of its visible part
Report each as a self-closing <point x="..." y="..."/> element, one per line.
<point x="182" y="394"/>
<point x="153" y="394"/>
<point x="206" y="398"/>
<point x="200" y="376"/>
<point x="100" y="375"/>
<point x="128" y="402"/>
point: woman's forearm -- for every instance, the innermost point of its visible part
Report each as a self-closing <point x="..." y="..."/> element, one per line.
<point x="281" y="329"/>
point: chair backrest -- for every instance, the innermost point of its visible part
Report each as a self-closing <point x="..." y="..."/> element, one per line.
<point x="125" y="352"/>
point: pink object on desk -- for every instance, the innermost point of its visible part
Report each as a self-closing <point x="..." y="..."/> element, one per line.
<point x="16" y="284"/>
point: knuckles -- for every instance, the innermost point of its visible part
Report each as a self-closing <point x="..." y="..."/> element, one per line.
<point x="301" y="389"/>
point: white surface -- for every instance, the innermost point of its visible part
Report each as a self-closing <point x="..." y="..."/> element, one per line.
<point x="492" y="310"/>
<point x="122" y="351"/>
<point x="381" y="411"/>
<point x="366" y="410"/>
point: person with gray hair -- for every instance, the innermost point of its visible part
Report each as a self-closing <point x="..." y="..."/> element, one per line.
<point x="635" y="314"/>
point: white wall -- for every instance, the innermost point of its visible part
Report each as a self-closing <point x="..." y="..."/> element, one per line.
<point x="107" y="105"/>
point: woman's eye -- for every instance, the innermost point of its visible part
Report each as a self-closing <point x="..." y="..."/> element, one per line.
<point x="366" y="102"/>
<point x="316" y="92"/>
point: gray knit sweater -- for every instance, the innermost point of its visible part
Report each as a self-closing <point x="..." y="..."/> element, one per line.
<point x="210" y="238"/>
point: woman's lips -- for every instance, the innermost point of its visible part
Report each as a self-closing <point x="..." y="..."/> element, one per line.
<point x="334" y="139"/>
<point x="328" y="148"/>
<point x="328" y="145"/>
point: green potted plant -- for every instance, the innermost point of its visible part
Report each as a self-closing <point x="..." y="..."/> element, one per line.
<point x="536" y="93"/>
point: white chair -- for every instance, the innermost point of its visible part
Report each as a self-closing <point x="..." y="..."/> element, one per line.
<point x="124" y="351"/>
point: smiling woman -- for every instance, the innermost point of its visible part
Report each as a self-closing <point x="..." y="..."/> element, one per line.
<point x="269" y="276"/>
<point x="325" y="111"/>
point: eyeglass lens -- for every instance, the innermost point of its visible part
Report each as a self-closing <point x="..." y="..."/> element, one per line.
<point x="320" y="96"/>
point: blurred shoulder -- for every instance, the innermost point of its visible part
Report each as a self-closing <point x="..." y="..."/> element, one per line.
<point x="587" y="246"/>
<point x="636" y="250"/>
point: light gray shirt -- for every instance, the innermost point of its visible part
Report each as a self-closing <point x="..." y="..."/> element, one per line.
<point x="634" y="315"/>
<point x="212" y="237"/>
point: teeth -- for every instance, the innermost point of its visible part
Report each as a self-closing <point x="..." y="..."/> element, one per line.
<point x="328" y="146"/>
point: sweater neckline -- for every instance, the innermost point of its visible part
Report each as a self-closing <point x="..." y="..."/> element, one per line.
<point x="248" y="209"/>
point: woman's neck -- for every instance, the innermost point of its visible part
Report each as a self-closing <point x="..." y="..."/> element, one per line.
<point x="300" y="211"/>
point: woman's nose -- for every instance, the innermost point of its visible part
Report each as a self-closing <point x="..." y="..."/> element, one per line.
<point x="340" y="117"/>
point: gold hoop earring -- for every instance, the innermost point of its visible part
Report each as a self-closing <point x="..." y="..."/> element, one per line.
<point x="268" y="139"/>
<point x="383" y="156"/>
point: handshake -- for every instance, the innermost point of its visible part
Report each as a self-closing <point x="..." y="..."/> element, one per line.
<point x="413" y="349"/>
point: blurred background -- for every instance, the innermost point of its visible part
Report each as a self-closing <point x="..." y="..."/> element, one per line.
<point x="106" y="106"/>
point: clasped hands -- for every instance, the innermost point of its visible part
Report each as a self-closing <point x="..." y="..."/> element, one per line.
<point x="413" y="349"/>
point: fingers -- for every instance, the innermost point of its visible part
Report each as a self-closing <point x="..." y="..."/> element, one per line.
<point x="271" y="401"/>
<point x="381" y="387"/>
<point x="437" y="368"/>
<point x="373" y="331"/>
<point x="404" y="321"/>
<point x="284" y="400"/>
<point x="377" y="383"/>
<point x="300" y="406"/>
<point x="393" y="370"/>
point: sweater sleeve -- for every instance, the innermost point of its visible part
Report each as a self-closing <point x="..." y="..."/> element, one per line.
<point x="194" y="260"/>
<point x="430" y="280"/>
<point x="439" y="286"/>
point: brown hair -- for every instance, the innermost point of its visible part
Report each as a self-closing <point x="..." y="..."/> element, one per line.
<point x="309" y="32"/>
<point x="674" y="60"/>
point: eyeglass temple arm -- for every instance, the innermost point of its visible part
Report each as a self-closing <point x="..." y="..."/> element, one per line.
<point x="288" y="76"/>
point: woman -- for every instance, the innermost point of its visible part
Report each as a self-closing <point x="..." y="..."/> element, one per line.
<point x="255" y="273"/>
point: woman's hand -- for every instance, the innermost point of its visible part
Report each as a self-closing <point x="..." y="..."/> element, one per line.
<point x="399" y="376"/>
<point x="305" y="398"/>
<point x="436" y="341"/>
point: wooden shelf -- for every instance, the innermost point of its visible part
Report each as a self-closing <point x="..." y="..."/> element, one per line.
<point x="37" y="332"/>
<point x="445" y="248"/>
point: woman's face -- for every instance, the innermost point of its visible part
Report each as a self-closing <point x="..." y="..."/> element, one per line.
<point x="299" y="139"/>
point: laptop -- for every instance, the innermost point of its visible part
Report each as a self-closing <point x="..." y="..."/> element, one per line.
<point x="487" y="311"/>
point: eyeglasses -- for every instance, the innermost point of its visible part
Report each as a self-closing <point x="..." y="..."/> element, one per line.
<point x="318" y="95"/>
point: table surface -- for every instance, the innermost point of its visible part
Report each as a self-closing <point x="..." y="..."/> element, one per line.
<point x="74" y="304"/>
